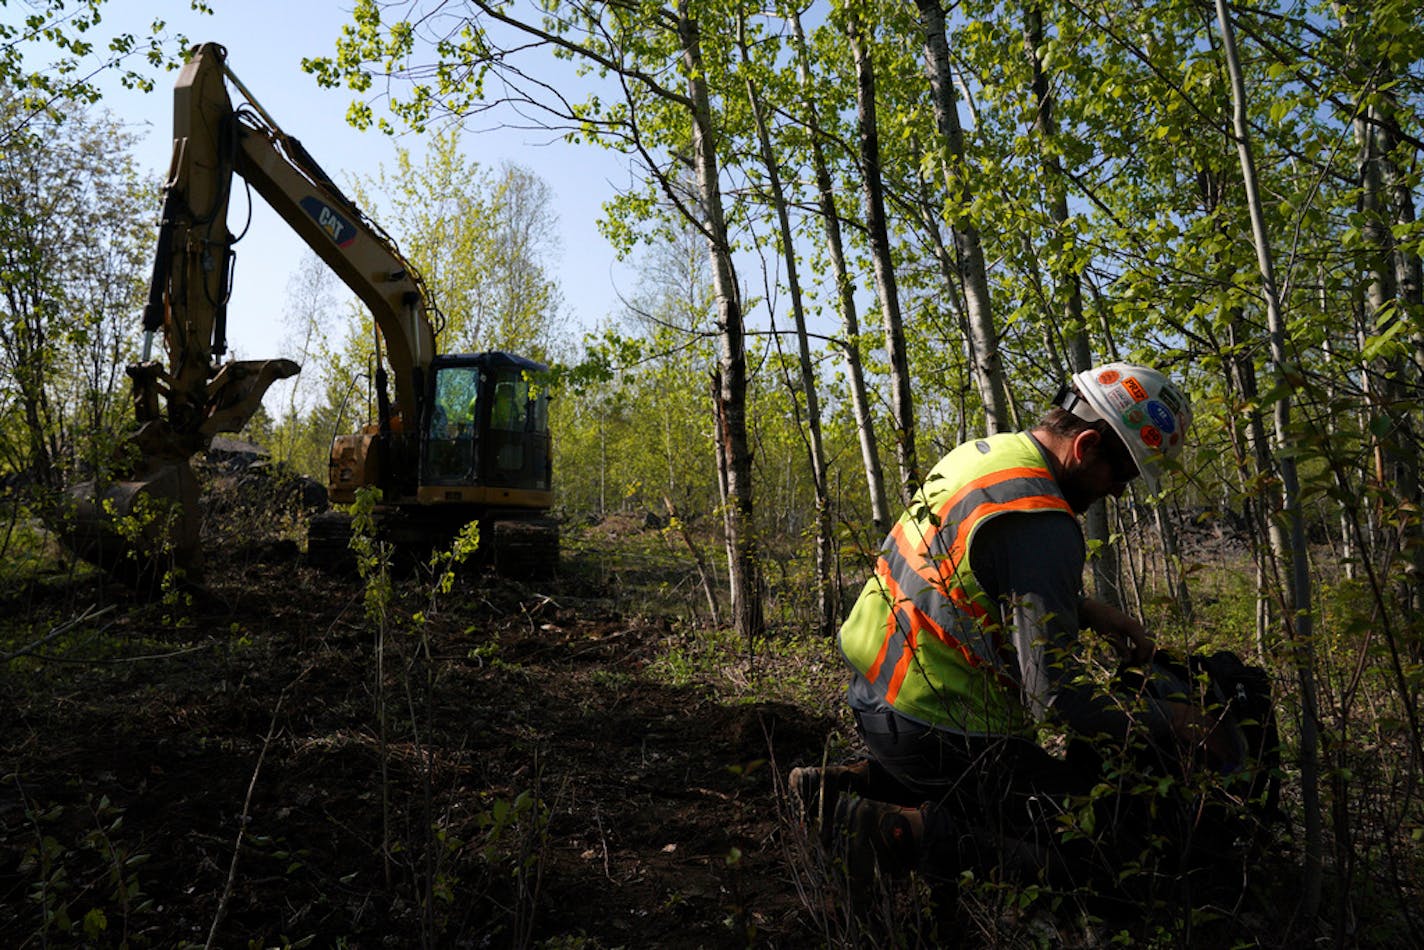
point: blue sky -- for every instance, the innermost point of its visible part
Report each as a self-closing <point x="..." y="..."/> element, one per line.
<point x="266" y="41"/>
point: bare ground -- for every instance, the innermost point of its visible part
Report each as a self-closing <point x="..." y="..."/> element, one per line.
<point x="257" y="762"/>
<point x="219" y="767"/>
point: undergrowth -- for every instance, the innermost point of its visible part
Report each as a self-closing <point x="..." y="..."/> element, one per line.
<point x="487" y="816"/>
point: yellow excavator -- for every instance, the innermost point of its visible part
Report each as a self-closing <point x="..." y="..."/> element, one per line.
<point x="466" y="437"/>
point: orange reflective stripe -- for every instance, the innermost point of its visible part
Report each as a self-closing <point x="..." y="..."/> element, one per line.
<point x="1031" y="502"/>
<point x="916" y="620"/>
<point x="907" y="606"/>
<point x="898" y="601"/>
<point x="907" y="620"/>
<point x="902" y="665"/>
<point x="914" y="551"/>
<point x="939" y="652"/>
<point x="964" y="602"/>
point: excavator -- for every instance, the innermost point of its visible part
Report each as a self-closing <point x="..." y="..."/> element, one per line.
<point x="465" y="438"/>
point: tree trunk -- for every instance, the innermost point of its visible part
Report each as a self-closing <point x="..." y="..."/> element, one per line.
<point x="704" y="573"/>
<point x="901" y="398"/>
<point x="1387" y="201"/>
<point x="1299" y="623"/>
<point x="743" y="567"/>
<point x="1259" y="495"/>
<point x="1067" y="291"/>
<point x="929" y="212"/>
<point x="845" y="296"/>
<point x="827" y="605"/>
<point x="988" y="366"/>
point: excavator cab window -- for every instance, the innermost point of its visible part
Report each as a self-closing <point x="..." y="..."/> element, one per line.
<point x="451" y="444"/>
<point x="457" y="392"/>
<point x="487" y="426"/>
<point x="517" y="453"/>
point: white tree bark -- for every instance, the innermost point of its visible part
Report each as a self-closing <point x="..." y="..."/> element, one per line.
<point x="1298" y="623"/>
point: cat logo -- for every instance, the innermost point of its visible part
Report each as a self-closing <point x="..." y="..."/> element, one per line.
<point x="341" y="231"/>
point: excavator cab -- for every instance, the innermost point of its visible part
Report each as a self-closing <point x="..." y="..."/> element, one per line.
<point x="480" y="452"/>
<point x="486" y="433"/>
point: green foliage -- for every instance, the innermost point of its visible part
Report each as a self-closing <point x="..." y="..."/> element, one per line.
<point x="1130" y="201"/>
<point x="148" y="535"/>
<point x="81" y="872"/>
<point x="633" y="430"/>
<point x="373" y="556"/>
<point x="304" y="429"/>
<point x="69" y="36"/>
<point x="483" y="241"/>
<point x="74" y="235"/>
<point x="445" y="562"/>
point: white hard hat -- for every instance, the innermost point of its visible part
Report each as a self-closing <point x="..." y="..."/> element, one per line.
<point x="1141" y="405"/>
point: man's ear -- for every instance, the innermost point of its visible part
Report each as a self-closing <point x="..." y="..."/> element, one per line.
<point x="1084" y="442"/>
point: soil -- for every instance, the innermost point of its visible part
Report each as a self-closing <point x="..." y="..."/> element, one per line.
<point x="219" y="766"/>
<point x="259" y="761"/>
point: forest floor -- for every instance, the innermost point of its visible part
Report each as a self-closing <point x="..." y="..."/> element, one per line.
<point x="259" y="761"/>
<point x="540" y="766"/>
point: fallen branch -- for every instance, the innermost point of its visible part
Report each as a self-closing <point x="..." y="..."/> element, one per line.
<point x="89" y="614"/>
<point x="703" y="571"/>
<point x="246" y="817"/>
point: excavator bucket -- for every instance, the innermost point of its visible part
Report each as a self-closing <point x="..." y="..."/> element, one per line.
<point x="139" y="528"/>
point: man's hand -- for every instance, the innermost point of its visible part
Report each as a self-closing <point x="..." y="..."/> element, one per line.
<point x="1128" y="636"/>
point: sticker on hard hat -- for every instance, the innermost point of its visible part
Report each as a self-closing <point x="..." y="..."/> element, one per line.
<point x="1170" y="397"/>
<point x="1119" y="398"/>
<point x="1134" y="417"/>
<point x="1135" y="388"/>
<point x="1151" y="437"/>
<point x="1162" y="416"/>
<point x="1108" y="376"/>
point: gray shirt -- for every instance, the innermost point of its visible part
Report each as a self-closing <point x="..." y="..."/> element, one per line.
<point x="1033" y="566"/>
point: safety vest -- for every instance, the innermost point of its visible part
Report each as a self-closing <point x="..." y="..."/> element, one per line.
<point x="923" y="633"/>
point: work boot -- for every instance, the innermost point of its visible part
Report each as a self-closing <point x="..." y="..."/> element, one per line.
<point x="816" y="791"/>
<point x="874" y="836"/>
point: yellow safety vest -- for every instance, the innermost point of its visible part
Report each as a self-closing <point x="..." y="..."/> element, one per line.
<point x="923" y="633"/>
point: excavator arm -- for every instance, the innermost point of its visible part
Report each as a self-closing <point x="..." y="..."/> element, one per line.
<point x="188" y="295"/>
<point x="357" y="251"/>
<point x="181" y="403"/>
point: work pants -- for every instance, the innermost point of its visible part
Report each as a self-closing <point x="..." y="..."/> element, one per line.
<point x="991" y="803"/>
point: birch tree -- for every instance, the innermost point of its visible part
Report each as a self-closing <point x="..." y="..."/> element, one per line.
<point x="827" y="601"/>
<point x="484" y="241"/>
<point x="1299" y="621"/>
<point x="988" y="365"/>
<point x="663" y="111"/>
<point x="902" y="406"/>
<point x="850" y="345"/>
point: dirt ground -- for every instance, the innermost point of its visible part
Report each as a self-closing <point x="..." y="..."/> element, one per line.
<point x="220" y="764"/>
<point x="259" y="760"/>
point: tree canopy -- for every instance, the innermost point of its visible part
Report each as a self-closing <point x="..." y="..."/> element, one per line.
<point x="874" y="228"/>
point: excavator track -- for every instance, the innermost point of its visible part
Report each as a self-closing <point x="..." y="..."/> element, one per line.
<point x="329" y="542"/>
<point x="517" y="548"/>
<point x="525" y="548"/>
